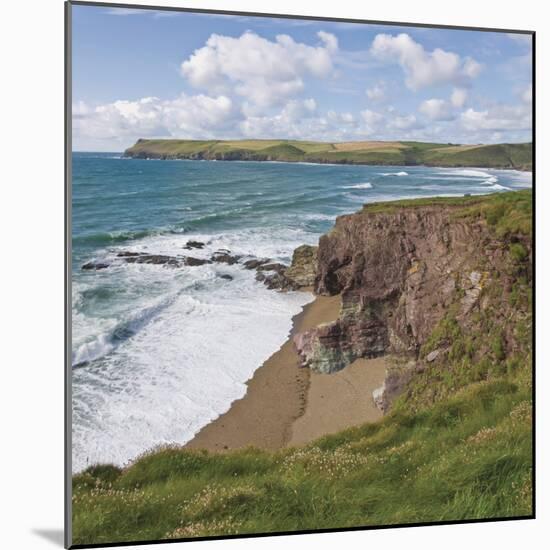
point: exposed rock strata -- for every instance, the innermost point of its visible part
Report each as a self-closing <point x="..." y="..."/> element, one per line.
<point x="398" y="270"/>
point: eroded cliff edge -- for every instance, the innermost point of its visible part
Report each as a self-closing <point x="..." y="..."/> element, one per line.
<point x="443" y="285"/>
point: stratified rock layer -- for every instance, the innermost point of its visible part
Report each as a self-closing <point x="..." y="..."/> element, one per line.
<point x="398" y="271"/>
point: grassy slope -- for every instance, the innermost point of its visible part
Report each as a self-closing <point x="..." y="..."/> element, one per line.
<point x="385" y="153"/>
<point x="456" y="446"/>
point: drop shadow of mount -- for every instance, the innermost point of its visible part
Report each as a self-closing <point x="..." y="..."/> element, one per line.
<point x="55" y="536"/>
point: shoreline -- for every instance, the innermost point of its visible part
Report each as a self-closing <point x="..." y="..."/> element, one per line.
<point x="287" y="405"/>
<point x="276" y="394"/>
<point x="458" y="167"/>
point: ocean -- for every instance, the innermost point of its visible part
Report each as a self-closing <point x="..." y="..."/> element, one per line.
<point x="159" y="352"/>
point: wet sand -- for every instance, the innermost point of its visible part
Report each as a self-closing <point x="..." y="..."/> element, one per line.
<point x="276" y="394"/>
<point x="288" y="405"/>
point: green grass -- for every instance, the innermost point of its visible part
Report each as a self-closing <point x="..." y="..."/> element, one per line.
<point x="502" y="155"/>
<point x="382" y="153"/>
<point x="506" y="213"/>
<point x="467" y="458"/>
<point x="457" y="444"/>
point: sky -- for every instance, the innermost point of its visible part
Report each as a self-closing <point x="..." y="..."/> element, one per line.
<point x="164" y="74"/>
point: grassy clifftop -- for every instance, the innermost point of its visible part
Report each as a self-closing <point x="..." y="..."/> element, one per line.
<point x="402" y="153"/>
<point x="456" y="445"/>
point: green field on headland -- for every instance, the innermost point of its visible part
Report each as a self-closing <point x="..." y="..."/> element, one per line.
<point x="391" y="153"/>
<point x="456" y="445"/>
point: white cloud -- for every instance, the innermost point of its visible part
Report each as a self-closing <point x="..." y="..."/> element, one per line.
<point x="372" y="118"/>
<point x="459" y="97"/>
<point x="497" y="118"/>
<point x="330" y="41"/>
<point x="292" y="121"/>
<point x="423" y="68"/>
<point x="436" y="109"/>
<point x="404" y="122"/>
<point x="376" y="92"/>
<point x="341" y="118"/>
<point x="196" y="116"/>
<point x="265" y="73"/>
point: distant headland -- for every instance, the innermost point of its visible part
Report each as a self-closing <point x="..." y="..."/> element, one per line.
<point x="516" y="156"/>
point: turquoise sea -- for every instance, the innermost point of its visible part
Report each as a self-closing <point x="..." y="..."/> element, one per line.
<point x="159" y="352"/>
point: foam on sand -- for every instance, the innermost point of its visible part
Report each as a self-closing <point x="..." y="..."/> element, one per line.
<point x="176" y="360"/>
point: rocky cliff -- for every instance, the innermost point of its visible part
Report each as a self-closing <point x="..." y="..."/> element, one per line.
<point x="412" y="272"/>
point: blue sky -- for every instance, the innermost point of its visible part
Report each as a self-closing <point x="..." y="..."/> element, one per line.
<point x="143" y="73"/>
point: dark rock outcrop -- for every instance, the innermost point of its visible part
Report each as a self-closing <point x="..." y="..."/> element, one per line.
<point x="224" y="257"/>
<point x="189" y="260"/>
<point x="276" y="267"/>
<point x="303" y="269"/>
<point x="160" y="259"/>
<point x="278" y="276"/>
<point x="146" y="258"/>
<point x="255" y="263"/>
<point x="194" y="244"/>
<point x="95" y="266"/>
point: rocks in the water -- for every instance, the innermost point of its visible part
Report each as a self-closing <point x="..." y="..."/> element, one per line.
<point x="155" y="259"/>
<point x="277" y="267"/>
<point x="304" y="265"/>
<point x="276" y="280"/>
<point x="255" y="263"/>
<point x="273" y="275"/>
<point x="194" y="244"/>
<point x="223" y="256"/>
<point x="128" y="254"/>
<point x="189" y="260"/>
<point x="95" y="266"/>
<point x="278" y="276"/>
<point x="226" y="276"/>
<point x="145" y="258"/>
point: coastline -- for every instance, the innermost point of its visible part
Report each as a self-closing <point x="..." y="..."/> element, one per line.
<point x="123" y="155"/>
<point x="276" y="395"/>
<point x="286" y="405"/>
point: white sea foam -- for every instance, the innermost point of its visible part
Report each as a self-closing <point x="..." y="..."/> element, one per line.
<point x="181" y="371"/>
<point x="366" y="185"/>
<point x="180" y="361"/>
<point x="394" y="174"/>
<point x="466" y="172"/>
<point x="491" y="180"/>
<point x="499" y="187"/>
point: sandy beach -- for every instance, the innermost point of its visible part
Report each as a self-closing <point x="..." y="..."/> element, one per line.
<point x="288" y="405"/>
<point x="339" y="400"/>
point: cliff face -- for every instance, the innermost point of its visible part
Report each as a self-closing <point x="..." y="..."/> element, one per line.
<point x="404" y="270"/>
